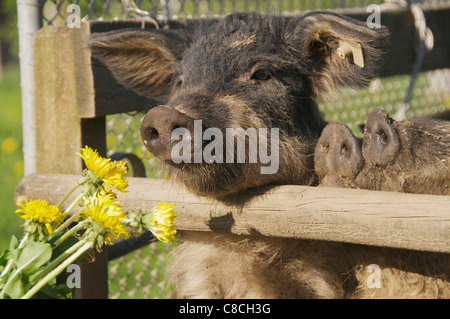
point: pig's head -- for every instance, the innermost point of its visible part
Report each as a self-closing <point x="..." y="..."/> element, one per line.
<point x="246" y="71"/>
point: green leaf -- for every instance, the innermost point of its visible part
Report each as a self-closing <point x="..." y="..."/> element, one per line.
<point x="4" y="256"/>
<point x="13" y="243"/>
<point x="15" y="288"/>
<point x="34" y="255"/>
<point x="50" y="291"/>
<point x="15" y="254"/>
<point x="65" y="292"/>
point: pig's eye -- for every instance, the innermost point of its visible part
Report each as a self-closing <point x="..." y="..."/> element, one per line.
<point x="261" y="75"/>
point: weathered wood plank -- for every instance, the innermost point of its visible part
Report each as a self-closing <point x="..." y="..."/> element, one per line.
<point x="58" y="127"/>
<point x="410" y="221"/>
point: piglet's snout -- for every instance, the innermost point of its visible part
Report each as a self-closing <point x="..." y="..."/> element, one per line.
<point x="157" y="127"/>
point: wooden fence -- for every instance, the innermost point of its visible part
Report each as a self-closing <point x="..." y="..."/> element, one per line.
<point x="399" y="220"/>
<point x="73" y="96"/>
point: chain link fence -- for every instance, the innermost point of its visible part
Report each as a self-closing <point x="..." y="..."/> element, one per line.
<point x="140" y="274"/>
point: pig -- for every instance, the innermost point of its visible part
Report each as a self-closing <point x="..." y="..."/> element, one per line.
<point x="411" y="156"/>
<point x="248" y="73"/>
<point x="244" y="71"/>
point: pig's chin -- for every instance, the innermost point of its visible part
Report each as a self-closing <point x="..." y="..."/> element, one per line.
<point x="211" y="180"/>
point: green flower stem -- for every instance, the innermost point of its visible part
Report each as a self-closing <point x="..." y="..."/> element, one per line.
<point x="68" y="222"/>
<point x="67" y="211"/>
<point x="134" y="225"/>
<point x="55" y="262"/>
<point x="22" y="243"/>
<point x="70" y="191"/>
<point x="69" y="233"/>
<point x="76" y="201"/>
<point x="87" y="245"/>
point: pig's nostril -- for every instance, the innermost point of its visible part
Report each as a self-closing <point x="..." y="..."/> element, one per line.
<point x="344" y="149"/>
<point x="325" y="147"/>
<point x="152" y="134"/>
<point x="158" y="128"/>
<point x="382" y="136"/>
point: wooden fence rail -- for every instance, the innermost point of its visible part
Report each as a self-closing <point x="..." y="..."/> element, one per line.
<point x="410" y="221"/>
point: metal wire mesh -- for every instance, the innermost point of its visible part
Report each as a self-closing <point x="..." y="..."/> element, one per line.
<point x="141" y="273"/>
<point x="431" y="96"/>
<point x="55" y="11"/>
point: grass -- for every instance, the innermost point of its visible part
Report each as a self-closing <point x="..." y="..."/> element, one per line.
<point x="11" y="156"/>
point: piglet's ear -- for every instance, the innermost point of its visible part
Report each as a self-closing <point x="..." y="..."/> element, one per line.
<point x="336" y="51"/>
<point x="141" y="60"/>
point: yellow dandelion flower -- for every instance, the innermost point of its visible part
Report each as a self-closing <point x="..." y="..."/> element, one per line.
<point x="10" y="145"/>
<point x="161" y="222"/>
<point x="18" y="168"/>
<point x="110" y="172"/>
<point x="40" y="211"/>
<point x="105" y="212"/>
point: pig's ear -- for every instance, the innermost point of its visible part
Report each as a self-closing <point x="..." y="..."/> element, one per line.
<point x="336" y="51"/>
<point x="141" y="60"/>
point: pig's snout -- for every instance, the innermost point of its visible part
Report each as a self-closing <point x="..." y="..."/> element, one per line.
<point x="157" y="127"/>
<point x="381" y="142"/>
<point x="338" y="152"/>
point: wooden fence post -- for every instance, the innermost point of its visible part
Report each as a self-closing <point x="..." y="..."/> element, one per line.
<point x="63" y="91"/>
